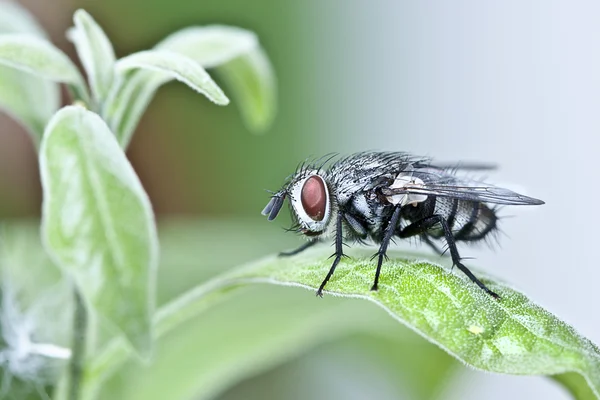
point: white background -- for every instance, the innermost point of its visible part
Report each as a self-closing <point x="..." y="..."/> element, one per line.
<point x="514" y="83"/>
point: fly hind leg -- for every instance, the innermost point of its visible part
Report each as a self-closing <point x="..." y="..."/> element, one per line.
<point x="433" y="246"/>
<point x="421" y="226"/>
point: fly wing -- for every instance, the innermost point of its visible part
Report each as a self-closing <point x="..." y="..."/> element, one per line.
<point x="465" y="166"/>
<point x="438" y="183"/>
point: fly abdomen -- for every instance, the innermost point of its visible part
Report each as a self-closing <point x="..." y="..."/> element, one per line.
<point x="478" y="220"/>
<point x="468" y="220"/>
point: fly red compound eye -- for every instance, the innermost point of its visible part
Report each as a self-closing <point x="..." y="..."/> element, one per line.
<point x="314" y="198"/>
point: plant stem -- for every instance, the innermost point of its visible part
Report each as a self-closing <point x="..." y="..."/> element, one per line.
<point x="80" y="321"/>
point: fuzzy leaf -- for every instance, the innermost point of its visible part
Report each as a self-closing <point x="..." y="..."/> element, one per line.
<point x="29" y="99"/>
<point x="212" y="45"/>
<point x="251" y="80"/>
<point x="39" y="57"/>
<point x="140" y="76"/>
<point x="129" y="99"/>
<point x="238" y="58"/>
<point x="576" y="384"/>
<point x="95" y="52"/>
<point x="97" y="221"/>
<point x="234" y="53"/>
<point x="175" y="66"/>
<point x="512" y="335"/>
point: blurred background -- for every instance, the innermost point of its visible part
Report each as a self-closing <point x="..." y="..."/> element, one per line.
<point x="513" y="83"/>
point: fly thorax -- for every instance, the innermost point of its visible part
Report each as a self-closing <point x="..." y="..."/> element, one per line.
<point x="406" y="181"/>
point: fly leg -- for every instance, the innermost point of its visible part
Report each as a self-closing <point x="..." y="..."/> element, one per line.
<point x="434" y="246"/>
<point x="300" y="249"/>
<point x="389" y="232"/>
<point x="339" y="252"/>
<point x="419" y="227"/>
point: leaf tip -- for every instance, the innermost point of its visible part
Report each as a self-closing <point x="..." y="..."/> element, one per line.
<point x="221" y="99"/>
<point x="81" y="15"/>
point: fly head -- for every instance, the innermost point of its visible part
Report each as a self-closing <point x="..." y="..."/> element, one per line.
<point x="310" y="202"/>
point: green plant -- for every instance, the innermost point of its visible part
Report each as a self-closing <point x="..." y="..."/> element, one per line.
<point x="99" y="250"/>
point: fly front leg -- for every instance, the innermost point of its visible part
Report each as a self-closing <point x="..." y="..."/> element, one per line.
<point x="389" y="232"/>
<point x="339" y="251"/>
<point x="300" y="249"/>
<point x="421" y="226"/>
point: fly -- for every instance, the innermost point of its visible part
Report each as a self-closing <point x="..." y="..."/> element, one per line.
<point x="378" y="196"/>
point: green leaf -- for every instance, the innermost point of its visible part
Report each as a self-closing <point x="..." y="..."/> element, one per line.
<point x="240" y="61"/>
<point x="576" y="385"/>
<point x="30" y="100"/>
<point x="41" y="58"/>
<point x="129" y="99"/>
<point x="511" y="335"/>
<point x="175" y="66"/>
<point x="37" y="56"/>
<point x="252" y="81"/>
<point x="210" y="46"/>
<point x="140" y="76"/>
<point x="95" y="52"/>
<point x="97" y="221"/>
<point x="236" y="55"/>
